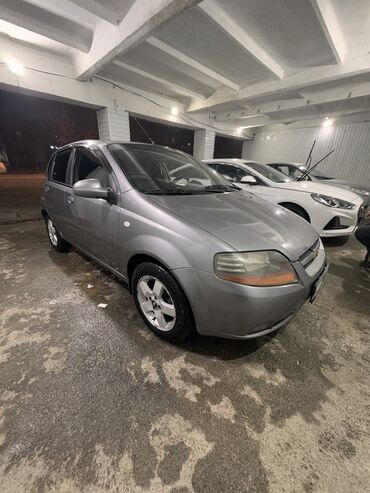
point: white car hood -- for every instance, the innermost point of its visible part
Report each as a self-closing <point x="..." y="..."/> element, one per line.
<point x="315" y="187"/>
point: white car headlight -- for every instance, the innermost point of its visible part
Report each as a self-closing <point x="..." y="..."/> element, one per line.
<point x="267" y="268"/>
<point x="332" y="201"/>
<point x="360" y="191"/>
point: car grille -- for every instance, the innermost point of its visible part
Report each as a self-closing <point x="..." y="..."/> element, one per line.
<point x="309" y="256"/>
<point x="361" y="213"/>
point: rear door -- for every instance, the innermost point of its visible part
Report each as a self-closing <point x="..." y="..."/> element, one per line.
<point x="56" y="184"/>
<point x="92" y="224"/>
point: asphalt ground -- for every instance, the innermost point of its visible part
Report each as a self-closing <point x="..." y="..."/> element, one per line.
<point x="91" y="401"/>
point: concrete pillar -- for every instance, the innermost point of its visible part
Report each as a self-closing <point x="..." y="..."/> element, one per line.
<point x="204" y="144"/>
<point x="113" y="124"/>
<point x="247" y="149"/>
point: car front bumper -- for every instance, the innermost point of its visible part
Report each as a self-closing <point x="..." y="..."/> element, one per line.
<point x="230" y="310"/>
<point x="338" y="222"/>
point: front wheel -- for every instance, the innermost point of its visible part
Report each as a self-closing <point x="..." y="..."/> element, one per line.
<point x="56" y="240"/>
<point x="161" y="302"/>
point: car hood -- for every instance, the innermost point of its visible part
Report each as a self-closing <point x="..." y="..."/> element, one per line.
<point x="323" y="188"/>
<point x="346" y="183"/>
<point x="243" y="221"/>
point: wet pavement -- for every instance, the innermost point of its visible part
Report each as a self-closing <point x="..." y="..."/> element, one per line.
<point x="91" y="401"/>
<point x="20" y="197"/>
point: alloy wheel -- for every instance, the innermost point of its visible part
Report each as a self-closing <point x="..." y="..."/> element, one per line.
<point x="52" y="232"/>
<point x="156" y="303"/>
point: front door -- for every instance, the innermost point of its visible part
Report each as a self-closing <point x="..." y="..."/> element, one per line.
<point x="92" y="224"/>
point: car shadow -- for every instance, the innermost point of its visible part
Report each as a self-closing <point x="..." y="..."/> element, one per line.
<point x="337" y="241"/>
<point x="224" y="349"/>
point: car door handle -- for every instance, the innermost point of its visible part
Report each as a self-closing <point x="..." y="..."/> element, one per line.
<point x="71" y="200"/>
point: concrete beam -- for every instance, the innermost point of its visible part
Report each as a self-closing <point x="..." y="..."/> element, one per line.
<point x="165" y="82"/>
<point x="223" y="21"/>
<point x="140" y="22"/>
<point x="100" y="9"/>
<point x="350" y="92"/>
<point x="297" y="82"/>
<point x="326" y="15"/>
<point x="41" y="21"/>
<point x="169" y="50"/>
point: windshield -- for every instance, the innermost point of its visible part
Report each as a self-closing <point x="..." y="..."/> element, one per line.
<point x="269" y="173"/>
<point x="320" y="176"/>
<point x="160" y="170"/>
<point x="315" y="173"/>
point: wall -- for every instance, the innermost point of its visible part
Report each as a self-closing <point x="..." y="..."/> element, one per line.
<point x="351" y="141"/>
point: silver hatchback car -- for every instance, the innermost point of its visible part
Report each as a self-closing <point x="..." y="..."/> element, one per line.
<point x="197" y="252"/>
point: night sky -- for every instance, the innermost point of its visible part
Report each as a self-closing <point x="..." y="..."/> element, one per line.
<point x="30" y="127"/>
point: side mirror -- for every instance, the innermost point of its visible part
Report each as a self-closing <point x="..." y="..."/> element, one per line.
<point x="249" y="179"/>
<point x="91" y="189"/>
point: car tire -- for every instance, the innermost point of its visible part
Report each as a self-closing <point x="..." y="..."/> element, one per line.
<point x="297" y="210"/>
<point x="161" y="302"/>
<point x="57" y="242"/>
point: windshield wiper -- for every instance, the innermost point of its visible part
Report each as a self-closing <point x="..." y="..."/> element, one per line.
<point x="220" y="188"/>
<point x="169" y="191"/>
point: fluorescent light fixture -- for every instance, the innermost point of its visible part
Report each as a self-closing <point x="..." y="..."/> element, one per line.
<point x="15" y="67"/>
<point x="174" y="111"/>
<point x="252" y="116"/>
<point x="328" y="122"/>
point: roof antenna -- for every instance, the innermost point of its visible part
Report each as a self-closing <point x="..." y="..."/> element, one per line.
<point x="143" y="129"/>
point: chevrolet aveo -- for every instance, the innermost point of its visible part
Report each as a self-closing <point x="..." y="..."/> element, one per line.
<point x="197" y="252"/>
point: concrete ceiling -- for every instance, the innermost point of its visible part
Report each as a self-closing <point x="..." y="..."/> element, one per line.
<point x="245" y="62"/>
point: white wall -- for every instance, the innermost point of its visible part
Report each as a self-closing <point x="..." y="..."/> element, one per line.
<point x="351" y="141"/>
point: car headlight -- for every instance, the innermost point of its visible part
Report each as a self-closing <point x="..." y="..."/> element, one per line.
<point x="267" y="268"/>
<point x="360" y="191"/>
<point x="332" y="201"/>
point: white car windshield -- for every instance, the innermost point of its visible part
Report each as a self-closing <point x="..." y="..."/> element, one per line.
<point x="269" y="173"/>
<point x="315" y="173"/>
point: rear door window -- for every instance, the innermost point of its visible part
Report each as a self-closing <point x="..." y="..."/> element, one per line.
<point x="59" y="167"/>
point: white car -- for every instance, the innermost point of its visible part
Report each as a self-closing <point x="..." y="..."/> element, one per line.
<point x="332" y="211"/>
<point x="296" y="170"/>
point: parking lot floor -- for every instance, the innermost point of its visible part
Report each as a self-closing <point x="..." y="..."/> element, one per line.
<point x="91" y="401"/>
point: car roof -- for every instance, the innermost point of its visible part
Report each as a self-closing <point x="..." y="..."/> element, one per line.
<point x="287" y="163"/>
<point x="103" y="143"/>
<point x="231" y="161"/>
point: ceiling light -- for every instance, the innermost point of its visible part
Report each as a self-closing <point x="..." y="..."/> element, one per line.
<point x="252" y="116"/>
<point x="328" y="122"/>
<point x="174" y="111"/>
<point x="15" y="67"/>
<point x="239" y="130"/>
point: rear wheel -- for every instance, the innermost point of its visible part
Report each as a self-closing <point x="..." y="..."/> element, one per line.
<point x="297" y="210"/>
<point x="161" y="302"/>
<point x="56" y="240"/>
